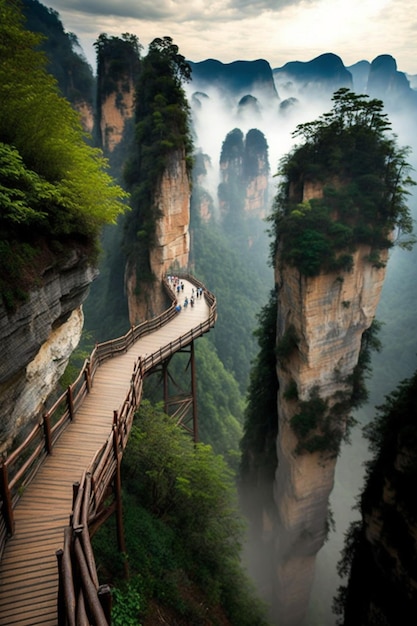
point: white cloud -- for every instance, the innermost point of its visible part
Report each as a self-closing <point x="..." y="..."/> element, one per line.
<point x="278" y="31"/>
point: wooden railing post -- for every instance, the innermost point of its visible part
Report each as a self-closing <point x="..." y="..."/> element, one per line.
<point x="47" y="432"/>
<point x="87" y="374"/>
<point x="70" y="400"/>
<point x="75" y="490"/>
<point x="61" y="594"/>
<point x="118" y="495"/>
<point x="7" y="499"/>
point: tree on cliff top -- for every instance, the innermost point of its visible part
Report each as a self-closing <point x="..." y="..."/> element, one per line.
<point x="162" y="120"/>
<point x="364" y="175"/>
<point x="54" y="191"/>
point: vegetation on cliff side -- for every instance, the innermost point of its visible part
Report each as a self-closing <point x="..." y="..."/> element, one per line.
<point x="183" y="533"/>
<point x="258" y="444"/>
<point x="118" y="62"/>
<point x="55" y="191"/>
<point x="364" y="177"/>
<point x="162" y="132"/>
<point x="380" y="548"/>
<point x="118" y="69"/>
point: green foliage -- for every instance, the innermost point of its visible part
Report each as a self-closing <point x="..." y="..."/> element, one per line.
<point x="365" y="178"/>
<point x="127" y="604"/>
<point x="315" y="427"/>
<point x="53" y="186"/>
<point x="291" y="392"/>
<point x="240" y="280"/>
<point x="219" y="402"/>
<point x="118" y="61"/>
<point x="287" y="343"/>
<point x="183" y="528"/>
<point x="369" y="343"/>
<point x="258" y="444"/>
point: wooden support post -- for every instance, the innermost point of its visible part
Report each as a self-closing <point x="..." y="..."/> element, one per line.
<point x="7" y="499"/>
<point x="194" y="394"/>
<point x="47" y="432"/>
<point x="91" y="600"/>
<point x="166" y="391"/>
<point x="68" y="579"/>
<point x="119" y="509"/>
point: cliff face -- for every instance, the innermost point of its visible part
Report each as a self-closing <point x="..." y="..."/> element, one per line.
<point x="116" y="108"/>
<point x="37" y="341"/>
<point x="257" y="189"/>
<point x="86" y="111"/>
<point x="326" y="316"/>
<point x="383" y="546"/>
<point x="172" y="246"/>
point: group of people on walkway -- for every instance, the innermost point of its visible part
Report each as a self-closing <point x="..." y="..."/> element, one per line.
<point x="178" y="287"/>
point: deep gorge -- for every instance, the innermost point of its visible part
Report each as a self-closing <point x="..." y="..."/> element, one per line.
<point x="211" y="220"/>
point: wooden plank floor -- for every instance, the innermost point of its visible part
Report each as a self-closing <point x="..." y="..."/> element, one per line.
<point x="28" y="569"/>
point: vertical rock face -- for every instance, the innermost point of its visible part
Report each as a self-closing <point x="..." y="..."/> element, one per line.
<point x="328" y="317"/>
<point x="37" y="341"/>
<point x="116" y="108"/>
<point x="257" y="190"/>
<point x="320" y="323"/>
<point x="172" y="245"/>
<point x="86" y="112"/>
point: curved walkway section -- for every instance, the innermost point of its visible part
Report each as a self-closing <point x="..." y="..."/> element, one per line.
<point x="28" y="569"/>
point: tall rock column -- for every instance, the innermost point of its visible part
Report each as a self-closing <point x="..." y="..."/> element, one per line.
<point x="321" y="321"/>
<point x="172" y="245"/>
<point x="340" y="201"/>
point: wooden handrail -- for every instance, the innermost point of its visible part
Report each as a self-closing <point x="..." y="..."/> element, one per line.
<point x="17" y="470"/>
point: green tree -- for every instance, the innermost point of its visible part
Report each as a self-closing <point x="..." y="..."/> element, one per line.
<point x="364" y="175"/>
<point x="49" y="176"/>
<point x="185" y="530"/>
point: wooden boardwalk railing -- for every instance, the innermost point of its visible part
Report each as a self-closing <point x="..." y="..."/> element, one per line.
<point x="81" y="599"/>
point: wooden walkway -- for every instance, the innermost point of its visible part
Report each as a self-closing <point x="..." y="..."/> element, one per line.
<point x="28" y="569"/>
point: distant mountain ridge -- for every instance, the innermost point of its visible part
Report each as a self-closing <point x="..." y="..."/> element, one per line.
<point x="321" y="76"/>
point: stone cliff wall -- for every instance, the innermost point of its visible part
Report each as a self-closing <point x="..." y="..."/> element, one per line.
<point x="37" y="341"/>
<point x="328" y="315"/>
<point x="115" y="109"/>
<point x="257" y="193"/>
<point x="172" y="247"/>
<point x="86" y="115"/>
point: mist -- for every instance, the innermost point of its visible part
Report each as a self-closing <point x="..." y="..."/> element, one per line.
<point x="215" y="114"/>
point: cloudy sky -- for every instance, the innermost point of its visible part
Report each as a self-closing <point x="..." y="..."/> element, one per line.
<point x="275" y="30"/>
